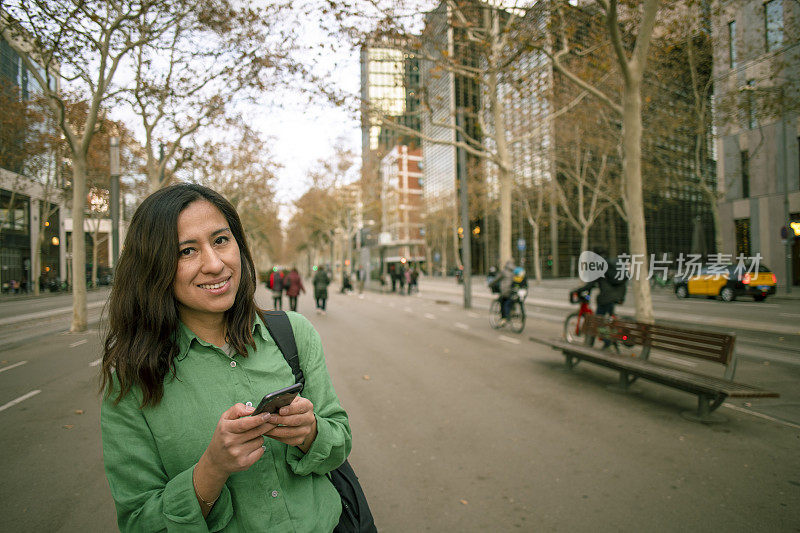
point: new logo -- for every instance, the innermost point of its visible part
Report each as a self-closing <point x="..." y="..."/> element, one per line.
<point x="591" y="266"/>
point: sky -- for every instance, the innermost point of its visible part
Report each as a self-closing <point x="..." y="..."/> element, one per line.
<point x="305" y="132"/>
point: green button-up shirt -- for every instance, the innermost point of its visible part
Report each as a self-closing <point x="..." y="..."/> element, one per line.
<point x="150" y="453"/>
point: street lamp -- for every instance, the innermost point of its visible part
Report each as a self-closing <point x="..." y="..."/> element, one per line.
<point x="113" y="165"/>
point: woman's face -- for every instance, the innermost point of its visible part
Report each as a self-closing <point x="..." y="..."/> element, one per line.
<point x="209" y="263"/>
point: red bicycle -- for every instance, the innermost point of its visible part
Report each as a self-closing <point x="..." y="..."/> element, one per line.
<point x="574" y="323"/>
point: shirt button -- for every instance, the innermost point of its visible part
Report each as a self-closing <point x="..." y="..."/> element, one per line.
<point x="274" y="493"/>
<point x="249" y="404"/>
<point x="233" y="364"/>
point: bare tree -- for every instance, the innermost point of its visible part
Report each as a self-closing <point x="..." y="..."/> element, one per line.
<point x="81" y="45"/>
<point x="187" y="78"/>
<point x="630" y="59"/>
<point x="238" y="164"/>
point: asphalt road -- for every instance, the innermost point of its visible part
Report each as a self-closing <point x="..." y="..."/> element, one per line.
<point x="457" y="427"/>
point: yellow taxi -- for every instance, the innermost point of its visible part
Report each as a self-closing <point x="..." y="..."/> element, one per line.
<point x="728" y="282"/>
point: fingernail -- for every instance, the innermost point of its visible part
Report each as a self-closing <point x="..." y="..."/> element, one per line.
<point x="283" y="410"/>
<point x="266" y="417"/>
<point x="249" y="408"/>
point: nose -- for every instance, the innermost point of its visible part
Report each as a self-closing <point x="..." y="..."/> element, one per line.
<point x="212" y="263"/>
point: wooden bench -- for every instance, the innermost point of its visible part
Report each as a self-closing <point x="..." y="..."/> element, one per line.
<point x="689" y="344"/>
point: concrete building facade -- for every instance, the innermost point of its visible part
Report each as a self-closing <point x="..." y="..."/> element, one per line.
<point x="757" y="96"/>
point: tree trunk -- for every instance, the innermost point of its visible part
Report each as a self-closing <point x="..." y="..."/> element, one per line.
<point x="95" y="244"/>
<point x="79" y="311"/>
<point x="537" y="260"/>
<point x="504" y="176"/>
<point x="585" y="238"/>
<point x="36" y="268"/>
<point x="634" y="202"/>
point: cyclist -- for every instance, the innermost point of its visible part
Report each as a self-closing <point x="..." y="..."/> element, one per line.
<point x="506" y="283"/>
<point x="612" y="287"/>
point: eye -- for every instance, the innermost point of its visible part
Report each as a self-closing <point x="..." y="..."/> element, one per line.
<point x="222" y="239"/>
<point x="185" y="252"/>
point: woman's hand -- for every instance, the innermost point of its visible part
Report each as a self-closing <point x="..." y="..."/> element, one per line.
<point x="237" y="442"/>
<point x="296" y="424"/>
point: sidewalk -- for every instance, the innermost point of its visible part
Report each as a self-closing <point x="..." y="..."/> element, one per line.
<point x="560" y="288"/>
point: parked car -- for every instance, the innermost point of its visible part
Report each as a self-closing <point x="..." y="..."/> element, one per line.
<point x="728" y="284"/>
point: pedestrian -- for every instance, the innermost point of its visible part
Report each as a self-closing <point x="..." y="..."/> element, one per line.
<point x="294" y="286"/>
<point x="361" y="275"/>
<point x="393" y="276"/>
<point x="414" y="280"/>
<point x="321" y="282"/>
<point x="185" y="349"/>
<point x="401" y="279"/>
<point x="347" y="285"/>
<point x="275" y="283"/>
<point x="408" y="279"/>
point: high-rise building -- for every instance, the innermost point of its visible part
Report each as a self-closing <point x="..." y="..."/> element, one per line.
<point x="389" y="94"/>
<point x="757" y="104"/>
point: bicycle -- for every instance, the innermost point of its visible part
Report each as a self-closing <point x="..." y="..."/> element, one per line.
<point x="574" y="323"/>
<point x="516" y="315"/>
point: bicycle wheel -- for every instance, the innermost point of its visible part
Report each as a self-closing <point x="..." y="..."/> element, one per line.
<point x="573" y="329"/>
<point x="516" y="318"/>
<point x="494" y="314"/>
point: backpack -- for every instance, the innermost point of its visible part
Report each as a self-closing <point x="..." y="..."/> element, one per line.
<point x="356" y="515"/>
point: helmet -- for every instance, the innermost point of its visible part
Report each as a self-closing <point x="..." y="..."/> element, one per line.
<point x="519" y="274"/>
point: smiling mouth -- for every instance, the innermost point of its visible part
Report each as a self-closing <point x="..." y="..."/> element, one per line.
<point x="214" y="285"/>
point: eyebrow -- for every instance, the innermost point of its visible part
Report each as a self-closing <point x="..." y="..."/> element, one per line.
<point x="189" y="241"/>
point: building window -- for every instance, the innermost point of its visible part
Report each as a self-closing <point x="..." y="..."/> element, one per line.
<point x="743" y="237"/>
<point x="732" y="43"/>
<point x="773" y="24"/>
<point x="750" y="104"/>
<point x="745" y="160"/>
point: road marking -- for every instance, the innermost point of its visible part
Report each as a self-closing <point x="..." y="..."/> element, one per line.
<point x="459" y="325"/>
<point x="508" y="339"/>
<point x="46" y="314"/>
<point x="96" y="362"/>
<point x="13" y="366"/>
<point x="22" y="398"/>
<point x="430" y="316"/>
<point x="760" y="415"/>
<point x="408" y="310"/>
<point x="790" y="315"/>
<point x="676" y="360"/>
<point x="473" y="315"/>
<point x="78" y="343"/>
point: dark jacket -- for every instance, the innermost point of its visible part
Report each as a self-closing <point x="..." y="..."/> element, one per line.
<point x="612" y="289"/>
<point x="321" y="282"/>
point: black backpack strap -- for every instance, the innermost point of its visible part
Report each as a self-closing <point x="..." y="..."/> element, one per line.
<point x="281" y="331"/>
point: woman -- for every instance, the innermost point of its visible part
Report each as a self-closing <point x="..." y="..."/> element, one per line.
<point x="321" y="282"/>
<point x="185" y="357"/>
<point x="295" y="285"/>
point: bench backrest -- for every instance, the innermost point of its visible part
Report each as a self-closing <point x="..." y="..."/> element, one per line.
<point x="706" y="345"/>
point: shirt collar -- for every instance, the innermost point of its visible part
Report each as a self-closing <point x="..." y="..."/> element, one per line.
<point x="185" y="336"/>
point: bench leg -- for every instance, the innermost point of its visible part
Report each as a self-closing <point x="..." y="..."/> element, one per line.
<point x="625" y="381"/>
<point x="706" y="405"/>
<point x="571" y="361"/>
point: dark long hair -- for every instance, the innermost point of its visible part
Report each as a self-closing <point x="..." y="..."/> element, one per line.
<point x="142" y="311"/>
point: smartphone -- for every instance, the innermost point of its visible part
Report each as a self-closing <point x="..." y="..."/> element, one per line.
<point x="275" y="400"/>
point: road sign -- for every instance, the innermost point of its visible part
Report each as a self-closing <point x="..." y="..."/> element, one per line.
<point x="521" y="245"/>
